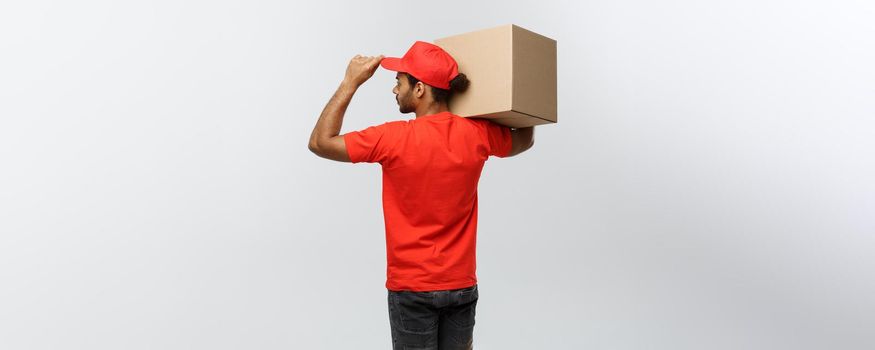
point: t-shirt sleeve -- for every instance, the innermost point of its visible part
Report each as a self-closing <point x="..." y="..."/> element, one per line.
<point x="499" y="139"/>
<point x="372" y="144"/>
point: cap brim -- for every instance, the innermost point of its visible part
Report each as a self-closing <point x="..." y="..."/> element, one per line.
<point x="391" y="63"/>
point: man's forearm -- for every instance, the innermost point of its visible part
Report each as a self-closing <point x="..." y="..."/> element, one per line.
<point x="331" y="119"/>
<point x="527" y="134"/>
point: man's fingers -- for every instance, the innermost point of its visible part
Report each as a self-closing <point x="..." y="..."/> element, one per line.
<point x="369" y="58"/>
<point x="374" y="61"/>
<point x="361" y="68"/>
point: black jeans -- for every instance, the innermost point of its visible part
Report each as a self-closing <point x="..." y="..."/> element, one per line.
<point x="441" y="320"/>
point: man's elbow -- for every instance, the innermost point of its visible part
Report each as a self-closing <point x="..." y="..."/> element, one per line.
<point x="314" y="147"/>
<point x="526" y="147"/>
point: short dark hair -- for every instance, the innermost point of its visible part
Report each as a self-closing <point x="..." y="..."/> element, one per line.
<point x="458" y="85"/>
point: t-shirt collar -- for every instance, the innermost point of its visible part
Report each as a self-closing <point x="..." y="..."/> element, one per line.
<point x="437" y="115"/>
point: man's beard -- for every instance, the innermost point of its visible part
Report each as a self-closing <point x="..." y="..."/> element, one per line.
<point x="403" y="107"/>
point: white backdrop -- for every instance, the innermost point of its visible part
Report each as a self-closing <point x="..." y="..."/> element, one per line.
<point x="709" y="184"/>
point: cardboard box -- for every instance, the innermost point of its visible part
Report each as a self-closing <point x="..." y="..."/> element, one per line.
<point x="512" y="73"/>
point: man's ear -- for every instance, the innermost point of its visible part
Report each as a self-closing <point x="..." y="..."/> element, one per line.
<point x="419" y="90"/>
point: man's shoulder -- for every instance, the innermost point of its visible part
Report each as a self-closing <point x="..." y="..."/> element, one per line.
<point x="482" y="123"/>
<point x="391" y="124"/>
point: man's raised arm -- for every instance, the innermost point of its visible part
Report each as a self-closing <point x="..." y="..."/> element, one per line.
<point x="325" y="140"/>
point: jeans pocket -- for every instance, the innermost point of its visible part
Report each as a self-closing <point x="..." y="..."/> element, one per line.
<point x="415" y="312"/>
<point x="463" y="316"/>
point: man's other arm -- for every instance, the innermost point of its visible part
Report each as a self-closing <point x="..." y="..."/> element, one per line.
<point x="521" y="140"/>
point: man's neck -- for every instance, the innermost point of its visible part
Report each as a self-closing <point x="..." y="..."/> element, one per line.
<point x="431" y="109"/>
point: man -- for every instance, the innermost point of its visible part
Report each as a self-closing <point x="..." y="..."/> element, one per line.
<point x="431" y="168"/>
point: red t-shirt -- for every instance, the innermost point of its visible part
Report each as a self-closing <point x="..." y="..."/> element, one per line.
<point x="431" y="167"/>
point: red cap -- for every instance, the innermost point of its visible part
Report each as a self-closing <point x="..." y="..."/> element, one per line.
<point x="426" y="62"/>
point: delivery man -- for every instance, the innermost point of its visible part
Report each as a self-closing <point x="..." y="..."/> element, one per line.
<point x="431" y="166"/>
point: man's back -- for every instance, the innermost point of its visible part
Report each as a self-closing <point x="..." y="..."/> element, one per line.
<point x="431" y="168"/>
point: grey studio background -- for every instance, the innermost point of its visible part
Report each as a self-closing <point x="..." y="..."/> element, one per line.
<point x="709" y="184"/>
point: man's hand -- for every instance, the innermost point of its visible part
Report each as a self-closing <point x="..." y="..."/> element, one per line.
<point x="361" y="68"/>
